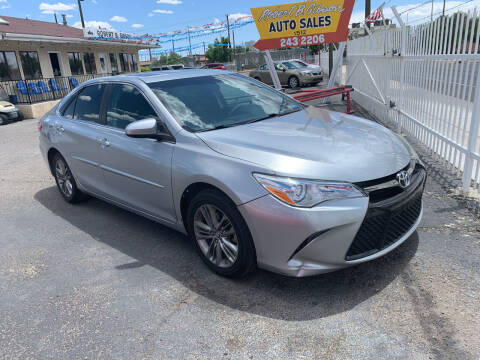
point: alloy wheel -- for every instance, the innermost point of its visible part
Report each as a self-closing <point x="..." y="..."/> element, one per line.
<point x="215" y="235"/>
<point x="293" y="82"/>
<point x="64" y="178"/>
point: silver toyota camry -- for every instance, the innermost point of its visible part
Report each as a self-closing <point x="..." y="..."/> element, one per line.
<point x="254" y="177"/>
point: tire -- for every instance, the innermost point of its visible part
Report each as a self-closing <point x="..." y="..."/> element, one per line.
<point x="20" y="116"/>
<point x="293" y="82"/>
<point x="65" y="182"/>
<point x="258" y="79"/>
<point x="3" y="119"/>
<point x="217" y="247"/>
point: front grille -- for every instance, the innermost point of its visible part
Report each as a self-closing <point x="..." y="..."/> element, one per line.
<point x="388" y="221"/>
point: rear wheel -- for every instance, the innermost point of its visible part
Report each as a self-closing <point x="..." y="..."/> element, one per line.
<point x="293" y="82"/>
<point x="3" y="119"/>
<point x="65" y="182"/>
<point x="220" y="234"/>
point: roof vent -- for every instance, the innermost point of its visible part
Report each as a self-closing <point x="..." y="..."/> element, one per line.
<point x="3" y="22"/>
<point x="64" y="17"/>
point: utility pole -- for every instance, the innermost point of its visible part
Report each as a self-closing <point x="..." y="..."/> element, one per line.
<point x="229" y="44"/>
<point x="173" y="44"/>
<point x="233" y="39"/>
<point x="367" y="11"/>
<point x="228" y="27"/>
<point x="81" y="13"/>
<point x="189" y="42"/>
<point x="204" y="51"/>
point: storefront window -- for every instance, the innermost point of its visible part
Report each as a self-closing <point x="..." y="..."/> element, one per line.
<point x="76" y="67"/>
<point x="113" y="63"/>
<point x="124" y="62"/>
<point x="134" y="63"/>
<point x="9" y="66"/>
<point x="128" y="62"/>
<point x="89" y="61"/>
<point x="30" y="65"/>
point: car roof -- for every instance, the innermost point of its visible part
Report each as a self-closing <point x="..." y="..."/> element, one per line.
<point x="164" y="75"/>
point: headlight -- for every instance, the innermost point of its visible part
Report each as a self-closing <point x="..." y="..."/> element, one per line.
<point x="306" y="193"/>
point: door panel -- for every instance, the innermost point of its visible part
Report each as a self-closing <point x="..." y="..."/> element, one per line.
<point x="137" y="173"/>
<point x="77" y="137"/>
<point x="80" y="140"/>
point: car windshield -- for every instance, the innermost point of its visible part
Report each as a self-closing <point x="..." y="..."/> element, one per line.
<point x="300" y="64"/>
<point x="218" y="101"/>
<point x="292" y="65"/>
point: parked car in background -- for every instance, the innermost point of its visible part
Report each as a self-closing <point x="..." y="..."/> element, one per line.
<point x="215" y="66"/>
<point x="8" y="111"/>
<point x="289" y="73"/>
<point x="253" y="176"/>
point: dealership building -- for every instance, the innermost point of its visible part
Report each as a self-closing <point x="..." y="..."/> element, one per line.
<point x="40" y="62"/>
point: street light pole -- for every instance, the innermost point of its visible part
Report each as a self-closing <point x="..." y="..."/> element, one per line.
<point x="367" y="11"/>
<point x="81" y="13"/>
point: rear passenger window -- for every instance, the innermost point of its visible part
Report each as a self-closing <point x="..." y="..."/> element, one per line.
<point x="68" y="112"/>
<point x="89" y="102"/>
<point x="127" y="105"/>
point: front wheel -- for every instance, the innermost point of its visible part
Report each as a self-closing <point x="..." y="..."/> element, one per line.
<point x="293" y="82"/>
<point x="3" y="119"/>
<point x="220" y="234"/>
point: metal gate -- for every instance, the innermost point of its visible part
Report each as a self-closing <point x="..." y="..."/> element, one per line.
<point x="424" y="79"/>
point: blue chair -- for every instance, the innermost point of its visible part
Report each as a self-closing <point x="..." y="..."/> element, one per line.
<point x="73" y="82"/>
<point x="34" y="89"/>
<point x="22" y="88"/>
<point x="43" y="87"/>
<point x="54" y="85"/>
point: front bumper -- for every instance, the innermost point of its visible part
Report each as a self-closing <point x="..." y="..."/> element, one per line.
<point x="302" y="242"/>
<point x="12" y="114"/>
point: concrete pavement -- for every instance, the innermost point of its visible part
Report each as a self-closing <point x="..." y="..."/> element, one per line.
<point x="93" y="281"/>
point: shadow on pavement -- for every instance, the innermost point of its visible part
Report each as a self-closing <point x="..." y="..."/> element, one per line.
<point x="262" y="293"/>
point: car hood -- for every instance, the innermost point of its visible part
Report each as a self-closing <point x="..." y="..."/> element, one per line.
<point x="6" y="106"/>
<point x="316" y="144"/>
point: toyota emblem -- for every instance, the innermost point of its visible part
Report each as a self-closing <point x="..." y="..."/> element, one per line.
<point x="403" y="178"/>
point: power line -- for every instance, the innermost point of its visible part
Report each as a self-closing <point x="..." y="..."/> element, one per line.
<point x="439" y="12"/>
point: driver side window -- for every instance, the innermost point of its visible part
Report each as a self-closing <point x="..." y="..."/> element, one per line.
<point x="127" y="105"/>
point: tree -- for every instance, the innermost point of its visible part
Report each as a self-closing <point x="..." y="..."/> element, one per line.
<point x="173" y="58"/>
<point x="219" y="51"/>
<point x="170" y="59"/>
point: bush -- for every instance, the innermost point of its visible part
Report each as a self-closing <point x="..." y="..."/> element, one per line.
<point x="144" y="69"/>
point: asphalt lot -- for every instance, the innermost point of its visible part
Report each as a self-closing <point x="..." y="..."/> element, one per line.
<point x="92" y="281"/>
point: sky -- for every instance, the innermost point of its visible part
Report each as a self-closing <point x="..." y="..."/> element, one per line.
<point x="157" y="16"/>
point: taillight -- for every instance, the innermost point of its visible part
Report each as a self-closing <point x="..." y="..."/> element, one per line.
<point x="39" y="125"/>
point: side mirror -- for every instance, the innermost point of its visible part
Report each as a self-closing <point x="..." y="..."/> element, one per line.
<point x="148" y="128"/>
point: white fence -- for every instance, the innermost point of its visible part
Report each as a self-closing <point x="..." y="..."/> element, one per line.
<point x="425" y="80"/>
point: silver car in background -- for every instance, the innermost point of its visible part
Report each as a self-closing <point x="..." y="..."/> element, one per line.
<point x="254" y="177"/>
<point x="290" y="73"/>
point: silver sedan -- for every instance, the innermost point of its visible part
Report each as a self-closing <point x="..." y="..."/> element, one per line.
<point x="252" y="176"/>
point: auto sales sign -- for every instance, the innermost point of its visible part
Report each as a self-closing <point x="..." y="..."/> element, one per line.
<point x="303" y="23"/>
